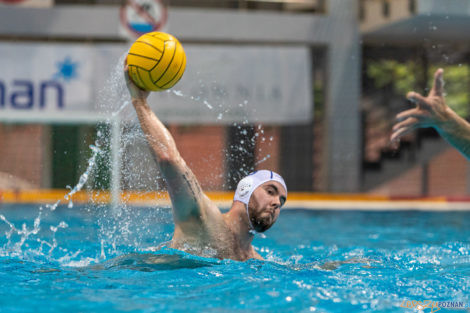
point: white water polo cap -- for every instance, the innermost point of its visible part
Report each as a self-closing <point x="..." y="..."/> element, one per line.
<point x="248" y="184"/>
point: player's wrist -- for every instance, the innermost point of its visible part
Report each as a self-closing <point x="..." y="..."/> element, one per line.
<point x="139" y="101"/>
<point x="449" y="121"/>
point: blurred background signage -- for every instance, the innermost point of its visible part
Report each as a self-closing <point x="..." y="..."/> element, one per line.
<point x="272" y="83"/>
<point x="142" y="16"/>
<point x="28" y="3"/>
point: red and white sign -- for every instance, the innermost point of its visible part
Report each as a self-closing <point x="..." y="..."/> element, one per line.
<point x="142" y="16"/>
<point x="28" y="3"/>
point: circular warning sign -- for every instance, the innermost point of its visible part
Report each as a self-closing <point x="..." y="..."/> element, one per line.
<point x="142" y="16"/>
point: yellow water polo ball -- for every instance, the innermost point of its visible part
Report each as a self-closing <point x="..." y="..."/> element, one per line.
<point x="156" y="61"/>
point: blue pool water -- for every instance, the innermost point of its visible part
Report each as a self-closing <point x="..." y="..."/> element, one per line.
<point x="99" y="259"/>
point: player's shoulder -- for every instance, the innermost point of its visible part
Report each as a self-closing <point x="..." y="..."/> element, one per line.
<point x="210" y="210"/>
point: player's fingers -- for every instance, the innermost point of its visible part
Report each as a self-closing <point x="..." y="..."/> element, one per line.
<point x="438" y="85"/>
<point x="407" y="114"/>
<point x="401" y="132"/>
<point x="409" y="122"/>
<point x="125" y="63"/>
<point x="416" y="98"/>
<point x="127" y="80"/>
<point x="126" y="73"/>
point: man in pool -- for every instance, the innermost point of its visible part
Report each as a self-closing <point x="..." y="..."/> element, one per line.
<point x="200" y="227"/>
<point x="432" y="111"/>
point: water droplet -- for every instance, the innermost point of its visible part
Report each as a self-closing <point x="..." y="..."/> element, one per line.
<point x="208" y="104"/>
<point x="178" y="93"/>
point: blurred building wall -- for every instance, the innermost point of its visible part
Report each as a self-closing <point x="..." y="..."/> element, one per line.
<point x="325" y="155"/>
<point x="24" y="150"/>
<point x="336" y="32"/>
<point x="448" y="176"/>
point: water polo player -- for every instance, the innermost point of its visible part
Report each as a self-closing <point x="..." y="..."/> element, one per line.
<point x="200" y="227"/>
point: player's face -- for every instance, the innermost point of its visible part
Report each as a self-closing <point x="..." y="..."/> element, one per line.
<point x="265" y="204"/>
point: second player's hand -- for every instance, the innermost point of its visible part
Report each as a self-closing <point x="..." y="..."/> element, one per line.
<point x="430" y="111"/>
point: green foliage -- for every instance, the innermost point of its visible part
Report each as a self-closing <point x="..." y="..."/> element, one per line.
<point x="456" y="86"/>
<point x="391" y="72"/>
<point x="404" y="77"/>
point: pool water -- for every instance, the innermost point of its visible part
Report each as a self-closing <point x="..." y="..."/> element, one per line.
<point x="103" y="259"/>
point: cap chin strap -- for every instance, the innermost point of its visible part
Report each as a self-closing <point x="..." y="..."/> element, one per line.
<point x="252" y="229"/>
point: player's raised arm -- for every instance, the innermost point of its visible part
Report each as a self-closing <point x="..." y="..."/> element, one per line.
<point x="185" y="192"/>
<point x="432" y="111"/>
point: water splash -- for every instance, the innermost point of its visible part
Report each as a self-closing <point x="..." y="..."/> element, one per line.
<point x="24" y="233"/>
<point x="15" y="248"/>
<point x="24" y="240"/>
<point x="179" y="93"/>
<point x="54" y="230"/>
<point x="84" y="177"/>
<point x="208" y="105"/>
<point x="118" y="227"/>
<point x="267" y="157"/>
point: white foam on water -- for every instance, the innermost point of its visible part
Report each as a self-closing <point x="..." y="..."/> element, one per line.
<point x="79" y="263"/>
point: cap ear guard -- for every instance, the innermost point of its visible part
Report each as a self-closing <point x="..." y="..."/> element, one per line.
<point x="244" y="190"/>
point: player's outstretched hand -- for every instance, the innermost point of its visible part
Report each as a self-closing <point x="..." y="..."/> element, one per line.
<point x="430" y="111"/>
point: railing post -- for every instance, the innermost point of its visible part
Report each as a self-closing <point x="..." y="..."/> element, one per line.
<point x="116" y="161"/>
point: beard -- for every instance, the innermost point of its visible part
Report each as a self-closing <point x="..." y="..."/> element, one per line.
<point x="262" y="223"/>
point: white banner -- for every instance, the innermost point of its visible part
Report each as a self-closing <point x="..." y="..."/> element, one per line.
<point x="222" y="84"/>
<point x="229" y="84"/>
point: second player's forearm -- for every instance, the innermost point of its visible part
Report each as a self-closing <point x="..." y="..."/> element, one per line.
<point x="159" y="138"/>
<point x="457" y="132"/>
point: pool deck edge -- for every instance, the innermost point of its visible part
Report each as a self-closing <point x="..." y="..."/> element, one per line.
<point x="296" y="200"/>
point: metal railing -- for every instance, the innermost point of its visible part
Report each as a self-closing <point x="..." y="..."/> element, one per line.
<point x="313" y="6"/>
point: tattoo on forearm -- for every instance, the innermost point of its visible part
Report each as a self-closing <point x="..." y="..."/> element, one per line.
<point x="192" y="185"/>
